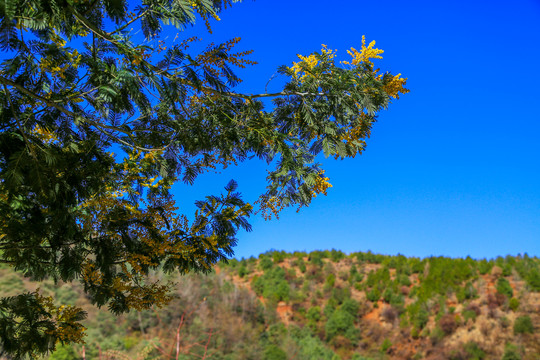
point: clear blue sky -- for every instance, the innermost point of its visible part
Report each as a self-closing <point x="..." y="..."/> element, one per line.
<point x="452" y="168"/>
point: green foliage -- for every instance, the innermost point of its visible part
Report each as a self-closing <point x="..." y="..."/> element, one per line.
<point x="340" y="294"/>
<point x="467" y="292"/>
<point x="27" y="325"/>
<point x="503" y="287"/>
<point x="474" y="351"/>
<point x="404" y="280"/>
<point x="437" y="335"/>
<point x="386" y="344"/>
<point x="315" y="258"/>
<point x="507" y="269"/>
<point x="373" y="295"/>
<point x="265" y="262"/>
<point x="336" y="255"/>
<point x="314" y="314"/>
<point x="468" y="314"/>
<point x="242" y="271"/>
<point x="351" y="306"/>
<point x="533" y="279"/>
<point x="272" y="285"/>
<point x="330" y="307"/>
<point x="513" y="304"/>
<point x="279" y="256"/>
<point x="311" y="347"/>
<point x="330" y="281"/>
<point x="83" y="77"/>
<point x="484" y="266"/>
<point x="511" y="352"/>
<point x="417" y="265"/>
<point x="418" y="315"/>
<point x="445" y="275"/>
<point x="65" y="353"/>
<point x="523" y="325"/>
<point x="341" y="322"/>
<point x="273" y="352"/>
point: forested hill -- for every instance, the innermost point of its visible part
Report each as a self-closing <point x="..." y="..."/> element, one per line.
<point x="325" y="305"/>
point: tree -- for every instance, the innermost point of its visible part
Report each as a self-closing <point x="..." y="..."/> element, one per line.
<point x="80" y="81"/>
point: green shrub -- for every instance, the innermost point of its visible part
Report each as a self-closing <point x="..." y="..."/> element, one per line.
<point x="386" y="344"/>
<point x="404" y="280"/>
<point x="272" y="352"/>
<point x="373" y="295"/>
<point x="314" y="313"/>
<point x="351" y="306"/>
<point x="242" y="271"/>
<point x="533" y="279"/>
<point x="421" y="318"/>
<point x="279" y="256"/>
<point x="474" y="351"/>
<point x="272" y="285"/>
<point x="330" y="307"/>
<point x="309" y="346"/>
<point x="336" y="255"/>
<point x="523" y="325"/>
<point x="64" y="352"/>
<point x="330" y="280"/>
<point x="468" y="314"/>
<point x="266" y="263"/>
<point x="503" y="287"/>
<point x="316" y="257"/>
<point x="417" y="265"/>
<point x="484" y="266"/>
<point x="507" y="270"/>
<point x="387" y="295"/>
<point x="436" y="335"/>
<point x="340" y="294"/>
<point x="339" y="323"/>
<point x="513" y="304"/>
<point x="467" y="292"/>
<point x="511" y="353"/>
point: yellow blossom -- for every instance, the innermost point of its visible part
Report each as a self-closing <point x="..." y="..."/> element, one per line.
<point x="365" y="54"/>
<point x="321" y="185"/>
<point x="396" y="86"/>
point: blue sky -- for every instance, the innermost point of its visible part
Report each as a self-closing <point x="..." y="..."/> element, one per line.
<point x="452" y="168"/>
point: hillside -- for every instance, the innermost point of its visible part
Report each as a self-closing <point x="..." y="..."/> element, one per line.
<point x="325" y="305"/>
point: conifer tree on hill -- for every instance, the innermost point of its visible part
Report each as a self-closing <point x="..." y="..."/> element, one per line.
<point x="77" y="79"/>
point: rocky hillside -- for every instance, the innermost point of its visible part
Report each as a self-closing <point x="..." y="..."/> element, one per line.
<point x="404" y="308"/>
<point x="324" y="305"/>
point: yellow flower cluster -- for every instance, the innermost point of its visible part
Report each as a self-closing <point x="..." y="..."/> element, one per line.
<point x="44" y="134"/>
<point x="55" y="70"/>
<point x="68" y="329"/>
<point x="271" y="206"/>
<point x="91" y="275"/>
<point x="311" y="61"/>
<point x="396" y="86"/>
<point x="365" y="54"/>
<point x="331" y="53"/>
<point x="58" y="39"/>
<point x="308" y="63"/>
<point x="321" y="185"/>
